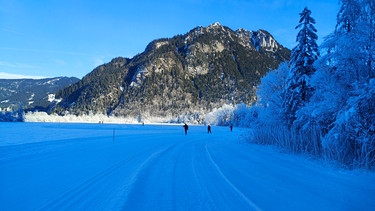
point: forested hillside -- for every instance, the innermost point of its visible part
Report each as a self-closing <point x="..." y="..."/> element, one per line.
<point x="31" y="94"/>
<point x="183" y="77"/>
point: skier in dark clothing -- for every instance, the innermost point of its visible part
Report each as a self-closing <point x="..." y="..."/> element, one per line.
<point x="186" y="127"/>
<point x="231" y="128"/>
<point x="209" y="129"/>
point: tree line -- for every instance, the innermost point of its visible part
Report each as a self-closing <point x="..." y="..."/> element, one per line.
<point x="322" y="102"/>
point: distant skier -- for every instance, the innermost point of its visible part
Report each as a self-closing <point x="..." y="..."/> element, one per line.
<point x="231" y="128"/>
<point x="208" y="129"/>
<point x="186" y="127"/>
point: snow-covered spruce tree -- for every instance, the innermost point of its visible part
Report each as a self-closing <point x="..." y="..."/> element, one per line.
<point x="299" y="90"/>
<point x="330" y="92"/>
<point x="343" y="104"/>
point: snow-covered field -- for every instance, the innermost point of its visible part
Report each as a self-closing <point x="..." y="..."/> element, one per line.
<point x="70" y="166"/>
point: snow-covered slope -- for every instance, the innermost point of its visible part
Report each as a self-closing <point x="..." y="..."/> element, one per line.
<point x="156" y="167"/>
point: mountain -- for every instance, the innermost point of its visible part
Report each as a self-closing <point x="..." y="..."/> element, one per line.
<point x="31" y="93"/>
<point x="185" y="76"/>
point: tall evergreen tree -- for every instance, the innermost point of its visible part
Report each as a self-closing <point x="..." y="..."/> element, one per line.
<point x="299" y="90"/>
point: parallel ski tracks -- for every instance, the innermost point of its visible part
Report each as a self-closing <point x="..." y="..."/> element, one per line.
<point x="183" y="167"/>
<point x="188" y="168"/>
<point x="160" y="168"/>
<point x="148" y="191"/>
<point x="78" y="195"/>
<point x="240" y="196"/>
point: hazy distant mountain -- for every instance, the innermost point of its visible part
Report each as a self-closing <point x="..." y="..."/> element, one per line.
<point x="187" y="74"/>
<point x="31" y="93"/>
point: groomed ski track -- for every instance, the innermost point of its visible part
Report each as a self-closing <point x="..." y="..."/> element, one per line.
<point x="160" y="168"/>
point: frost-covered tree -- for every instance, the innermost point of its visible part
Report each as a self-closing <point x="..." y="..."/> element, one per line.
<point x="328" y="102"/>
<point x="351" y="141"/>
<point x="220" y="116"/>
<point x="350" y="49"/>
<point x="270" y="92"/>
<point x="343" y="102"/>
<point x="347" y="18"/>
<point x="299" y="90"/>
<point x="264" y="118"/>
<point x="367" y="31"/>
<point x="348" y="62"/>
<point x="272" y="85"/>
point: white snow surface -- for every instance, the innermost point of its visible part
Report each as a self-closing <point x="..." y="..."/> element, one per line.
<point x="76" y="166"/>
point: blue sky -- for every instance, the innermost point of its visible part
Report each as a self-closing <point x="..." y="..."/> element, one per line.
<point x="50" y="38"/>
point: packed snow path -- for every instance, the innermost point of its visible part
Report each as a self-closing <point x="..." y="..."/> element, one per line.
<point x="132" y="167"/>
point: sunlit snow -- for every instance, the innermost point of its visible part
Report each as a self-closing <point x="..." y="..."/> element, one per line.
<point x="74" y="166"/>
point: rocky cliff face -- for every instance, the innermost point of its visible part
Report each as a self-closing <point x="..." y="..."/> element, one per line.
<point x="184" y="76"/>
